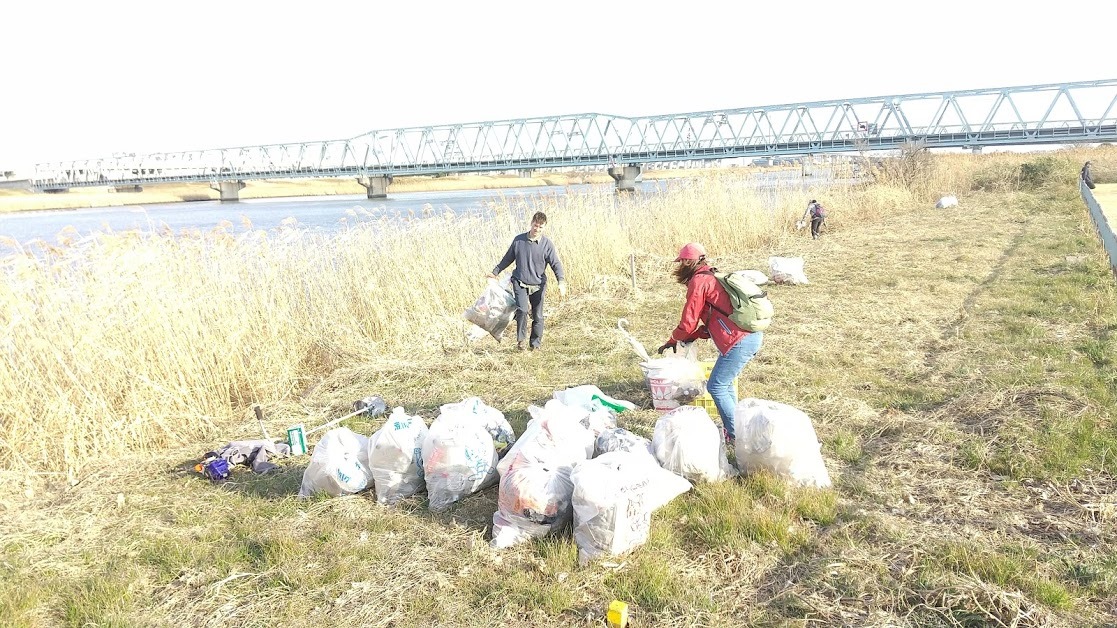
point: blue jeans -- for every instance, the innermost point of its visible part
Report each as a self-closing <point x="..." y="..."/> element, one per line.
<point x="725" y="371"/>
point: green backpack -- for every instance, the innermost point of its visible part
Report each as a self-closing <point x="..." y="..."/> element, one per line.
<point x="752" y="309"/>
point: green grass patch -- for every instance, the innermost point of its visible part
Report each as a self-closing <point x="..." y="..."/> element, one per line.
<point x="1012" y="568"/>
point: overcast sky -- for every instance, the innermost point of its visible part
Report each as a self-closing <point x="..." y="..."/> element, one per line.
<point x="88" y="79"/>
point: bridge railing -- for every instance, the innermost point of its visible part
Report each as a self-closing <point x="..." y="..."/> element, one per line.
<point x="1101" y="225"/>
<point x="1084" y="111"/>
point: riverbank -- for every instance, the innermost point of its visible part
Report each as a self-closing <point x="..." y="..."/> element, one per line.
<point x="13" y="200"/>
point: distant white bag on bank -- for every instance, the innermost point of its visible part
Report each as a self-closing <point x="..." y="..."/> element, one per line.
<point x="947" y="201"/>
<point x="787" y="270"/>
<point x="754" y="276"/>
<point x="614" y="497"/>
<point x="686" y="441"/>
<point x="338" y="466"/>
<point x="781" y="439"/>
<point x="395" y="457"/>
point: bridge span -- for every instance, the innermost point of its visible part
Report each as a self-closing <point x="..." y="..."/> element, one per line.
<point x="1059" y="113"/>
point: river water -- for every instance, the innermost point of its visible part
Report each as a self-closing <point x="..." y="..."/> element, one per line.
<point x="317" y="213"/>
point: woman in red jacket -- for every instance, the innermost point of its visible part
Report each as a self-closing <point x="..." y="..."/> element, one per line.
<point x="707" y="303"/>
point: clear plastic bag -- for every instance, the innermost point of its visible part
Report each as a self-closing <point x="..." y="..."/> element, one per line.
<point x="781" y="439"/>
<point x="395" y="457"/>
<point x="787" y="270"/>
<point x="338" y="466"/>
<point x="494" y="309"/>
<point x="492" y="419"/>
<point x="458" y="459"/>
<point x="613" y="500"/>
<point x="674" y="381"/>
<point x="686" y="441"/>
<point x="620" y="439"/>
<point x="534" y="500"/>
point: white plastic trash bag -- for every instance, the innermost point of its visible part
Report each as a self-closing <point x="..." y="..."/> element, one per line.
<point x="494" y="309"/>
<point x="781" y="439"/>
<point x="754" y="276"/>
<point x="552" y="436"/>
<point x="947" y="201"/>
<point x="338" y="466"/>
<point x="614" y="497"/>
<point x="492" y="419"/>
<point x="686" y="441"/>
<point x="620" y="439"/>
<point x="534" y="500"/>
<point x="458" y="459"/>
<point x="787" y="270"/>
<point x="395" y="457"/>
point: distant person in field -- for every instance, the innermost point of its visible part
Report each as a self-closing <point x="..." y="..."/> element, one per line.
<point x="817" y="213"/>
<point x="532" y="252"/>
<point x="708" y="303"/>
<point x="1086" y="178"/>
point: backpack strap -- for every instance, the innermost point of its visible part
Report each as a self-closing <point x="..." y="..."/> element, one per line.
<point x="708" y="271"/>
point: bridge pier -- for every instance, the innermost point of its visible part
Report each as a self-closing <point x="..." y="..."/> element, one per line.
<point x="625" y="176"/>
<point x="228" y="190"/>
<point x="375" y="187"/>
<point x="525" y="173"/>
<point x="976" y="150"/>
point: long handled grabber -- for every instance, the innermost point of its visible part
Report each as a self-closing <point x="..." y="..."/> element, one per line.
<point x="296" y="434"/>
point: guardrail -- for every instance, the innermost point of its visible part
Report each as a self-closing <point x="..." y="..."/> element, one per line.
<point x="1101" y="224"/>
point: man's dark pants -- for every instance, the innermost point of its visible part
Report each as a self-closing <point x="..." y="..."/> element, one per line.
<point x="816" y="226"/>
<point x="525" y="304"/>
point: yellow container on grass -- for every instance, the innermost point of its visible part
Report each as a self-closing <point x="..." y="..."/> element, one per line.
<point x="705" y="401"/>
<point x="617" y="616"/>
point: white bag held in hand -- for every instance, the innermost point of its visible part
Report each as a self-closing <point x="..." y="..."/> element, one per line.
<point x="395" y="457"/>
<point x="780" y="438"/>
<point x="492" y="419"/>
<point x="614" y="497"/>
<point x="458" y="459"/>
<point x="338" y="466"/>
<point x="534" y="500"/>
<point x="494" y="309"/>
<point x="687" y="442"/>
<point x="787" y="270"/>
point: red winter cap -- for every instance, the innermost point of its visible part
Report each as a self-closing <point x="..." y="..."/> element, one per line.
<point x="693" y="250"/>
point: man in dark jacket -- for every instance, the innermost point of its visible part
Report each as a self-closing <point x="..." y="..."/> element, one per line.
<point x="532" y="252"/>
<point x="1086" y="178"/>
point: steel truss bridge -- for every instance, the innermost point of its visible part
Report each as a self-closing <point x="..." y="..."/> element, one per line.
<point x="1032" y="114"/>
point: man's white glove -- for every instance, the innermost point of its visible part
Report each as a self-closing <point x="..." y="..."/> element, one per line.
<point x="562" y="289"/>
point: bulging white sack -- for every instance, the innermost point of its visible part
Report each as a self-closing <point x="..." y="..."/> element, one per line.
<point x="338" y="466"/>
<point x="686" y="441"/>
<point x="781" y="439"/>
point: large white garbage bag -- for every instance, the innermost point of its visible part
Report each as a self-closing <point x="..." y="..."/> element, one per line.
<point x="492" y="419"/>
<point x="494" y="309"/>
<point x="787" y="270"/>
<point x="339" y="464"/>
<point x="614" y="497"/>
<point x="686" y="441"/>
<point x="553" y="435"/>
<point x="458" y="459"/>
<point x="780" y="438"/>
<point x="534" y="500"/>
<point x="395" y="457"/>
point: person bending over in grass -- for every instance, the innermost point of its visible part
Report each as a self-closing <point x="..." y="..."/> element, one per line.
<point x="532" y="252"/>
<point x="817" y="214"/>
<point x="708" y="303"/>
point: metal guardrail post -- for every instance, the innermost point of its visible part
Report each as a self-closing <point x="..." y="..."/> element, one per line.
<point x="1101" y="224"/>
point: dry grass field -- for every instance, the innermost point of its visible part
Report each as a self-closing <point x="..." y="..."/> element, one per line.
<point x="958" y="366"/>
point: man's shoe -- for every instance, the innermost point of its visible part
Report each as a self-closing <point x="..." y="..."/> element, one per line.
<point x="520" y="346"/>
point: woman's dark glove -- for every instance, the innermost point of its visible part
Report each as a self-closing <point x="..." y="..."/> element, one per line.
<point x="670" y="344"/>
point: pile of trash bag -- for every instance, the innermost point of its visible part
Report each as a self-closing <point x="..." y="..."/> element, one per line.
<point x="395" y="457"/>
